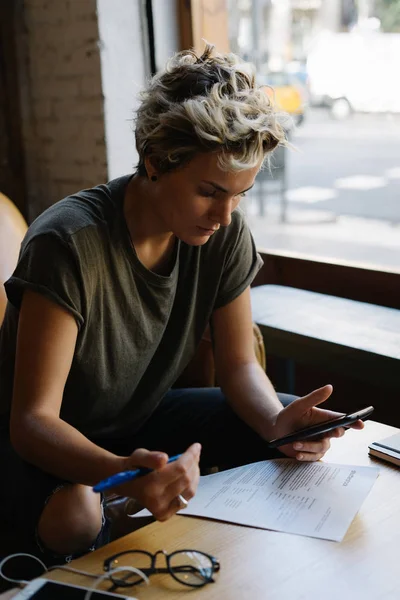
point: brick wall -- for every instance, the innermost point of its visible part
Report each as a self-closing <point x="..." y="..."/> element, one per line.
<point x="62" y="101"/>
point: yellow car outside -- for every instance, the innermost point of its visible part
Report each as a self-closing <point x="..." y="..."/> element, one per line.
<point x="286" y="94"/>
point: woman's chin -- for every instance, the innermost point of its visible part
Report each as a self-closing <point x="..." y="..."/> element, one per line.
<point x="194" y="240"/>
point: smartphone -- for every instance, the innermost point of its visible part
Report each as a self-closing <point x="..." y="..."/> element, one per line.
<point x="43" y="589"/>
<point x="314" y="430"/>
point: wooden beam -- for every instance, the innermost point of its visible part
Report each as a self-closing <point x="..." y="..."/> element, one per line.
<point x="185" y="24"/>
<point x="352" y="281"/>
<point x="203" y="20"/>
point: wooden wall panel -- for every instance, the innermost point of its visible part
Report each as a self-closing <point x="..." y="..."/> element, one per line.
<point x="201" y="20"/>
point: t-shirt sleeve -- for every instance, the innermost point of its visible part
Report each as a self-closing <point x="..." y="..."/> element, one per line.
<point x="47" y="266"/>
<point x="241" y="266"/>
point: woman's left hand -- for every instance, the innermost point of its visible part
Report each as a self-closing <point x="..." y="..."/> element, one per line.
<point x="303" y="413"/>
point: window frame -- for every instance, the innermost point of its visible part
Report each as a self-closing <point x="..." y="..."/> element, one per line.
<point x="346" y="280"/>
<point x="333" y="277"/>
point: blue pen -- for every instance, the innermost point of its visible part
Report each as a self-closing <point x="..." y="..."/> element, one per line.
<point x="124" y="476"/>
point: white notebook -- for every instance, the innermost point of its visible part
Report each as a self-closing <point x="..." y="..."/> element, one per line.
<point x="387" y="449"/>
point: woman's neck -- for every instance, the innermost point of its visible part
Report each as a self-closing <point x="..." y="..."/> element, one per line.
<point x="153" y="244"/>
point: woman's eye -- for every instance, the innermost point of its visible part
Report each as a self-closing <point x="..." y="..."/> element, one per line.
<point x="212" y="193"/>
<point x="207" y="193"/>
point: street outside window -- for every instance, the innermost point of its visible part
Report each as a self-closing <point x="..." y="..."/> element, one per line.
<point x="334" y="67"/>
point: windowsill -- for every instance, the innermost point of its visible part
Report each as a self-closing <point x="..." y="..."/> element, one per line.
<point x="326" y="260"/>
<point x="346" y="280"/>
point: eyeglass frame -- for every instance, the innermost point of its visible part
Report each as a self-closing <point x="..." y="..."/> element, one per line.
<point x="155" y="570"/>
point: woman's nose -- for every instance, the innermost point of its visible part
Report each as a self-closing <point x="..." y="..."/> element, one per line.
<point x="221" y="212"/>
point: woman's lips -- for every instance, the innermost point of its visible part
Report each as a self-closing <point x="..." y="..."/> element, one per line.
<point x="206" y="231"/>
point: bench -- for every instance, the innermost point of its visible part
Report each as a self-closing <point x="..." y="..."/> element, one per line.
<point x="357" y="339"/>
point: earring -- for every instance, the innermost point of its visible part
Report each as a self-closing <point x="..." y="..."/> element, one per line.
<point x="154" y="177"/>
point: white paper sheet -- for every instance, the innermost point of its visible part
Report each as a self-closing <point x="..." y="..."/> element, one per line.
<point x="314" y="499"/>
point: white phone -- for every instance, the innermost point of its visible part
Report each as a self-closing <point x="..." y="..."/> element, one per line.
<point x="43" y="589"/>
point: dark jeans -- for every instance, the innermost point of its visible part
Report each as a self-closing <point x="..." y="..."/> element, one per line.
<point x="183" y="417"/>
<point x="200" y="415"/>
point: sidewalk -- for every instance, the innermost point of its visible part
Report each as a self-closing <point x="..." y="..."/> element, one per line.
<point x="319" y="234"/>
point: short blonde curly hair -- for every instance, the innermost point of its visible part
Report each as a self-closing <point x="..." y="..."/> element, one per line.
<point x="207" y="103"/>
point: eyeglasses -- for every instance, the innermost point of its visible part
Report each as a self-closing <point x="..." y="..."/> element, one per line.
<point x="190" y="567"/>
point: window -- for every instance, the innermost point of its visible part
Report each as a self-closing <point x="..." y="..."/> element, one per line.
<point x="336" y="195"/>
<point x="331" y="205"/>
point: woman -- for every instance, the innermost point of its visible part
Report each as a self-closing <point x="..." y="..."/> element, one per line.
<point x="113" y="289"/>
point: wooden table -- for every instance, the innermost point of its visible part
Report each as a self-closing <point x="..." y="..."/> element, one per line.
<point x="267" y="565"/>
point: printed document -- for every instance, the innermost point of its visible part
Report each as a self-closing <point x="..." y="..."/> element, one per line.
<point x="313" y="499"/>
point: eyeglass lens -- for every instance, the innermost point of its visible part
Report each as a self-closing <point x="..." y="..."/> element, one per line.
<point x="138" y="560"/>
<point x="191" y="567"/>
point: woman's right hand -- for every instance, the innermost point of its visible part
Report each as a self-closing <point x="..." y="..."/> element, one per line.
<point x="158" y="491"/>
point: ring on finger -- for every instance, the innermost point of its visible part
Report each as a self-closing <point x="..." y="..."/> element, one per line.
<point x="182" y="502"/>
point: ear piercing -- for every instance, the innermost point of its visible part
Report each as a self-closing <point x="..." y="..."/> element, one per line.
<point x="154" y="178"/>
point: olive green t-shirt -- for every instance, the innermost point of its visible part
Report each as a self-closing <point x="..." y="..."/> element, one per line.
<point x="137" y="330"/>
